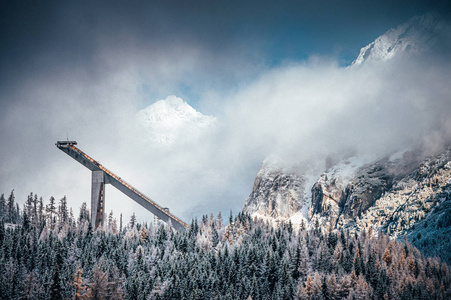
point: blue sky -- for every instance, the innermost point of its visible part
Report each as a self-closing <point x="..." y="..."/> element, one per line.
<point x="83" y="68"/>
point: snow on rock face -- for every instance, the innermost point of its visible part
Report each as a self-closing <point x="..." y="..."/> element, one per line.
<point x="172" y="121"/>
<point x="328" y="192"/>
<point x="412" y="197"/>
<point x="418" y="35"/>
<point x="428" y="188"/>
<point x="368" y="185"/>
<point x="344" y="190"/>
<point x="278" y="193"/>
<point x="389" y="194"/>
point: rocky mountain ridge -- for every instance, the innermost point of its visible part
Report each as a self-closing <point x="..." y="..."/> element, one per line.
<point x="399" y="194"/>
<point x="418" y="35"/>
<point x="382" y="199"/>
<point x="389" y="194"/>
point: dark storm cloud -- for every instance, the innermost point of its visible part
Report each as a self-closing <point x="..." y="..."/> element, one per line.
<point x="39" y="36"/>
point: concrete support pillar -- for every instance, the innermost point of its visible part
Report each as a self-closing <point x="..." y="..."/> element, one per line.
<point x="97" y="198"/>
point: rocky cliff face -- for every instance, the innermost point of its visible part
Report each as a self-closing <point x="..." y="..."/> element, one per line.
<point x="278" y="193"/>
<point x="389" y="194"/>
<point x="329" y="191"/>
<point x="416" y="195"/>
<point x="375" y="190"/>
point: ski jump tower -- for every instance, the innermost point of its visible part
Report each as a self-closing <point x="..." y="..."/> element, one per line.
<point x="102" y="176"/>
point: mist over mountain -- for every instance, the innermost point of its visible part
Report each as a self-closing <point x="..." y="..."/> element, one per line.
<point x="389" y="170"/>
<point x="172" y="121"/>
<point x="306" y="112"/>
<point x="385" y="113"/>
<point x="311" y="115"/>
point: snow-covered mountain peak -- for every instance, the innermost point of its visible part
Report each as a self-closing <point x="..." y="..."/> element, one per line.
<point x="172" y="120"/>
<point x="169" y="110"/>
<point x="418" y="35"/>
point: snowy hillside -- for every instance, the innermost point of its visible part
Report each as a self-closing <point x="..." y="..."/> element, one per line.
<point x="173" y="121"/>
<point x="418" y="35"/>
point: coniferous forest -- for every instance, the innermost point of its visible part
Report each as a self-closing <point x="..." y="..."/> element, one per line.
<point x="48" y="252"/>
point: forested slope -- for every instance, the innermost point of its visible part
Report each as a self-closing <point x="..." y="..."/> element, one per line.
<point x="49" y="254"/>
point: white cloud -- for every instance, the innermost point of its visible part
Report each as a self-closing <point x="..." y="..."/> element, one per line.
<point x="301" y="112"/>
